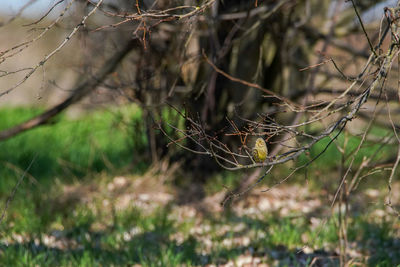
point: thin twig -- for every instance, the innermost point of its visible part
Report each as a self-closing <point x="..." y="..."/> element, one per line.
<point x="11" y="197"/>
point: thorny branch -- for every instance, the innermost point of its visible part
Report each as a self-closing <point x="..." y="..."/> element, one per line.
<point x="350" y="101"/>
<point x="315" y="119"/>
<point x="291" y="124"/>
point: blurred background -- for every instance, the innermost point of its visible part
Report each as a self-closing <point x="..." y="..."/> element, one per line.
<point x="127" y="127"/>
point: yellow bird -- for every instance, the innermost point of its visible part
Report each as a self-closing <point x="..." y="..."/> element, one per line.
<point x="260" y="150"/>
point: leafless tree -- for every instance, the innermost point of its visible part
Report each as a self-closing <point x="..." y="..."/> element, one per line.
<point x="292" y="72"/>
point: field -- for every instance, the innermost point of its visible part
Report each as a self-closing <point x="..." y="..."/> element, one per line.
<point x="89" y="197"/>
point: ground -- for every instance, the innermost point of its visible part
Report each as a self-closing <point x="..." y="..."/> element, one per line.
<point x="91" y="207"/>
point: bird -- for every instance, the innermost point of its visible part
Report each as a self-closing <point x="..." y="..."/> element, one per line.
<point x="260" y="151"/>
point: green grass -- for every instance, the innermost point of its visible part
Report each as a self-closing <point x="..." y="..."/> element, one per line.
<point x="91" y="150"/>
<point x="332" y="155"/>
<point x="152" y="243"/>
<point x="92" y="143"/>
<point x="67" y="151"/>
<point x="324" y="171"/>
<point x="152" y="246"/>
<point x="64" y="152"/>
